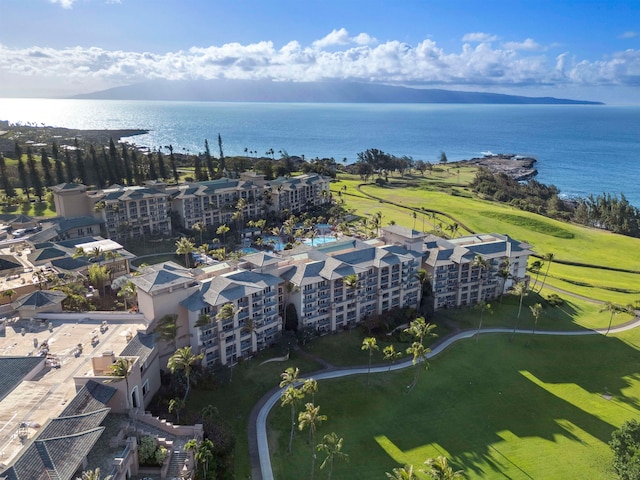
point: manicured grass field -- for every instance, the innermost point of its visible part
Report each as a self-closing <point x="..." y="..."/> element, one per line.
<point x="496" y="409"/>
<point x="234" y="400"/>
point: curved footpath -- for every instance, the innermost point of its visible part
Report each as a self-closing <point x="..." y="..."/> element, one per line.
<point x="257" y="430"/>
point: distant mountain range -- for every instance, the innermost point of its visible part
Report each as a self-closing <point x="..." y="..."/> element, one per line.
<point x="307" y="92"/>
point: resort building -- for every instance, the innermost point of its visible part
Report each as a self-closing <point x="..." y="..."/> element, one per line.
<point x="337" y="285"/>
<point x="458" y="279"/>
<point x="138" y="211"/>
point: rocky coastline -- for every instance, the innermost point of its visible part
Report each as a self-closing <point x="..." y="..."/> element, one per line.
<point x="44" y="136"/>
<point x="515" y="166"/>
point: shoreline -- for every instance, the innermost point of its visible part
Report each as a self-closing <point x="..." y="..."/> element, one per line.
<point x="517" y="167"/>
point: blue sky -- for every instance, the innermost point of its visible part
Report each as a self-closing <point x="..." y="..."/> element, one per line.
<point x="573" y="49"/>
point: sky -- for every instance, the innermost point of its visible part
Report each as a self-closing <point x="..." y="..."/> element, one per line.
<point x="587" y="50"/>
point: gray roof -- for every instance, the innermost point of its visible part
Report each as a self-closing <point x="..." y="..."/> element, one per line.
<point x="46" y="254"/>
<point x="404" y="231"/>
<point x="261" y="259"/>
<point x="13" y="370"/>
<point x="7" y="262"/>
<point x="162" y="276"/>
<point x="141" y="345"/>
<point x="91" y="397"/>
<point x="64" y="442"/>
<point x="228" y="288"/>
<point x="39" y="299"/>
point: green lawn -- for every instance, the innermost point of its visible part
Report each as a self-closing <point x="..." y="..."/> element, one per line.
<point x="234" y="400"/>
<point x="496" y="409"/>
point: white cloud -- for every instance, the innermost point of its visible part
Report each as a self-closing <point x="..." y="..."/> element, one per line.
<point x="529" y="44"/>
<point x="341" y="37"/>
<point x="479" y="37"/>
<point x="64" y="3"/>
<point x="342" y="58"/>
<point x="628" y="35"/>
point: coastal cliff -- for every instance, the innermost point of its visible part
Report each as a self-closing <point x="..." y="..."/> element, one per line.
<point x="514" y="166"/>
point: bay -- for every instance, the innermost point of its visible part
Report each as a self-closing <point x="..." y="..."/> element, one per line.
<point x="582" y="149"/>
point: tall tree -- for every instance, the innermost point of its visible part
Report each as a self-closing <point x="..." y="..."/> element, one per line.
<point x="98" y="174"/>
<point x="310" y="386"/>
<point x="519" y="290"/>
<point x="116" y="163"/>
<point x="221" y="162"/>
<point x="55" y="154"/>
<point x="185" y="246"/>
<point x="7" y="186"/>
<point x="402" y="473"/>
<point x="625" y="443"/>
<point x="420" y="329"/>
<point x="167" y="328"/>
<point x="419" y="352"/>
<point x="36" y="182"/>
<point x="289" y="377"/>
<point x="136" y="170"/>
<point x="68" y="163"/>
<point x="613" y="309"/>
<point x="199" y="174"/>
<point x="162" y="166"/>
<point x="80" y="166"/>
<point x="24" y="178"/>
<point x="184" y="360"/>
<point x="548" y="258"/>
<point x="46" y="167"/>
<point x="369" y="344"/>
<point x="122" y="368"/>
<point x="291" y="396"/>
<point x="536" y="311"/>
<point x="209" y="160"/>
<point x="332" y="447"/>
<point x="310" y="418"/>
<point x="439" y="469"/>
<point x="128" y="172"/>
<point x="389" y="353"/>
<point x="172" y="162"/>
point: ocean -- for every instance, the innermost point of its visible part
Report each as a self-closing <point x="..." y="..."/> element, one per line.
<point x="582" y="149"/>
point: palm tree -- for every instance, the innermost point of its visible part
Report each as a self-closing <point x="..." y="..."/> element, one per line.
<point x="535" y="267"/>
<point x="439" y="469"/>
<point x="310" y="386"/>
<point x="402" y="473"/>
<point x="199" y="227"/>
<point x="127" y="291"/>
<point x="481" y="264"/>
<point x="420" y="329"/>
<point x="370" y="344"/>
<point x="204" y="456"/>
<point x="310" y="418"/>
<point x="423" y="278"/>
<point x="548" y="257"/>
<point x="419" y="352"/>
<point x="482" y="306"/>
<point x="414" y="215"/>
<point x="176" y="405"/>
<point x="192" y="447"/>
<point x="332" y="446"/>
<point x="519" y="289"/>
<point x="351" y="281"/>
<point x="504" y="272"/>
<point x="122" y="368"/>
<point x="614" y="309"/>
<point x="291" y="396"/>
<point x="184" y="246"/>
<point x="223" y="230"/>
<point x="93" y="475"/>
<point x="389" y="353"/>
<point x="9" y="293"/>
<point x="167" y="328"/>
<point x="289" y="377"/>
<point x="536" y="311"/>
<point x="184" y="359"/>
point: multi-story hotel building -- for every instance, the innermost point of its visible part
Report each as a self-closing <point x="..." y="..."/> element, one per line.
<point x="458" y="281"/>
<point x="137" y="211"/>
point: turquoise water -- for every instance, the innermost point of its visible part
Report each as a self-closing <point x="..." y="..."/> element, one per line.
<point x="581" y="149"/>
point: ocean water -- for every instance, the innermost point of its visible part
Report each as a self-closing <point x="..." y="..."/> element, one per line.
<point x="581" y="149"/>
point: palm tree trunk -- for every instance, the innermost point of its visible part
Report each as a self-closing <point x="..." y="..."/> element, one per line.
<point x="610" y="322"/>
<point x="293" y="425"/>
<point x="313" y="459"/>
<point x="479" y="324"/>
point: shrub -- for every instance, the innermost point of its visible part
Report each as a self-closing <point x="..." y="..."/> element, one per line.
<point x="150" y="453"/>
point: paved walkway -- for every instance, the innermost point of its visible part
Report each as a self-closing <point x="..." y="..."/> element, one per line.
<point x="257" y="430"/>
